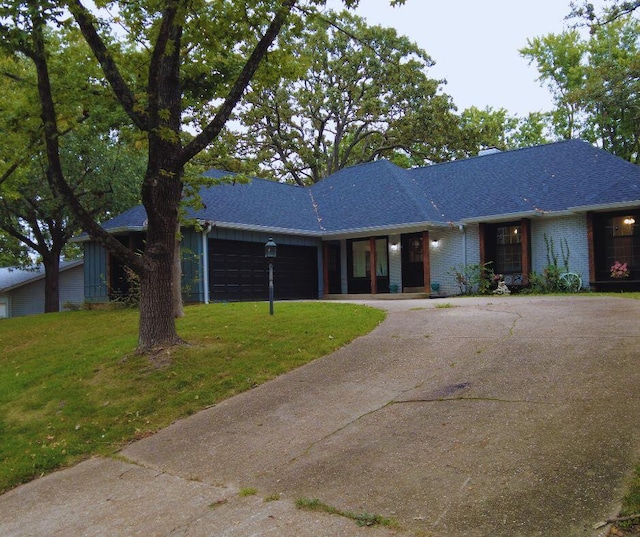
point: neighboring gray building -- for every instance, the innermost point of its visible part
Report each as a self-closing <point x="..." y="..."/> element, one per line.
<point x="378" y="228"/>
<point x="22" y="291"/>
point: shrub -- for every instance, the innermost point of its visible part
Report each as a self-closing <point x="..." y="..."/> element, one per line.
<point x="474" y="278"/>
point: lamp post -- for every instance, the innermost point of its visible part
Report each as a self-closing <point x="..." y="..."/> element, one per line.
<point x="270" y="254"/>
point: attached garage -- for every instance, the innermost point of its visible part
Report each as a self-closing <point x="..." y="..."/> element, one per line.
<point x="238" y="271"/>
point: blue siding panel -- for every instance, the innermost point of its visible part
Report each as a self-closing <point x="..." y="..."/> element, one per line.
<point x="191" y="258"/>
<point x="95" y="273"/>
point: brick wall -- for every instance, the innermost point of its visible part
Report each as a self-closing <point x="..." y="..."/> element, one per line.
<point x="573" y="229"/>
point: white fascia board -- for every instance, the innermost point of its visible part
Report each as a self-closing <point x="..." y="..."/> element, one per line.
<point x="607" y="206"/>
<point x="114" y="231"/>
<point x="260" y="229"/>
<point x="513" y="216"/>
<point x="387" y="230"/>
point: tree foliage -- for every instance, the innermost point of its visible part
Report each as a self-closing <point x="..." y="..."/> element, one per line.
<point x="99" y="163"/>
<point x="613" y="11"/>
<point x="595" y="82"/>
<point x="348" y="93"/>
<point x="489" y="128"/>
<point x="177" y="69"/>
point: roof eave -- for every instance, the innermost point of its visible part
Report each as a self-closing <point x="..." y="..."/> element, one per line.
<point x="536" y="213"/>
<point x="391" y="229"/>
<point x="606" y="206"/>
<point x="112" y="231"/>
<point x="262" y="229"/>
<point x="40" y="276"/>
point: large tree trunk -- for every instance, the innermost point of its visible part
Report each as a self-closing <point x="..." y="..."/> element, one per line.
<point x="51" y="283"/>
<point x="161" y="196"/>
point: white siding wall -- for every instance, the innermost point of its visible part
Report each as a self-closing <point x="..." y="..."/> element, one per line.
<point x="571" y="228"/>
<point x="395" y="263"/>
<point x="71" y="286"/>
<point x="455" y="248"/>
<point x="29" y="299"/>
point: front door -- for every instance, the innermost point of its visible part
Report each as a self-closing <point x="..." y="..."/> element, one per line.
<point x="412" y="260"/>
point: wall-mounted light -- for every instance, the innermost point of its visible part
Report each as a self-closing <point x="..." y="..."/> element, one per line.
<point x="394" y="247"/>
<point x="630" y="220"/>
<point x="435" y="243"/>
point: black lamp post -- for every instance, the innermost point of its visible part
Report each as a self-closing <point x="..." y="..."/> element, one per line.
<point x="270" y="254"/>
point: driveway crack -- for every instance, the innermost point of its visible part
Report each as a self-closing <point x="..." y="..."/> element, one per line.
<point x="462" y="398"/>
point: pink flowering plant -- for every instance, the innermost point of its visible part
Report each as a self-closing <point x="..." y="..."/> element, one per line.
<point x="619" y="270"/>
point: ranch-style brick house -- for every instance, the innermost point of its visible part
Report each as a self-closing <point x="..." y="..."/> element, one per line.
<point x="377" y="228"/>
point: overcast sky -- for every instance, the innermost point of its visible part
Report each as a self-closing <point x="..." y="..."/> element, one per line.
<point x="475" y="45"/>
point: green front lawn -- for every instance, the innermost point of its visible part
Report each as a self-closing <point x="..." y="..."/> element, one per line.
<point x="71" y="387"/>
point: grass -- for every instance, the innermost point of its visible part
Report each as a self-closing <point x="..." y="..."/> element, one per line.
<point x="361" y="519"/>
<point x="631" y="503"/>
<point x="71" y="387"/>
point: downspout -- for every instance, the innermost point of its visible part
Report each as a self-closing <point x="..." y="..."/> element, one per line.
<point x="205" y="260"/>
<point x="463" y="230"/>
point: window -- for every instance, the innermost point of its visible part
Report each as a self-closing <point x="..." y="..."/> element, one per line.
<point x="361" y="258"/>
<point x="624" y="240"/>
<point x="415" y="250"/>
<point x="508" y="249"/>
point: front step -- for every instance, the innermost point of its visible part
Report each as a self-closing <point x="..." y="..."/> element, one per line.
<point x="378" y="296"/>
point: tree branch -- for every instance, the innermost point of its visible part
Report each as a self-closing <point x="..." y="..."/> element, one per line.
<point x="55" y="175"/>
<point x="122" y="91"/>
<point x="213" y="129"/>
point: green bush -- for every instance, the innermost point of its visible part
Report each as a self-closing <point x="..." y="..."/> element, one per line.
<point x="474" y="278"/>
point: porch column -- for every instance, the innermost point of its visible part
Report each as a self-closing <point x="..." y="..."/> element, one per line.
<point x="325" y="267"/>
<point x="426" y="262"/>
<point x="372" y="265"/>
<point x="525" y="248"/>
<point x="590" y="246"/>
<point x="482" y="230"/>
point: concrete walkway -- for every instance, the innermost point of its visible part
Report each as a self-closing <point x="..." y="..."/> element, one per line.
<point x="501" y="416"/>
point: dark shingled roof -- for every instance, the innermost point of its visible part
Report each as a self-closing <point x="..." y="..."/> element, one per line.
<point x="552" y="178"/>
<point x="14" y="277"/>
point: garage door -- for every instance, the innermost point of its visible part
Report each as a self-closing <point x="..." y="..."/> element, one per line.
<point x="238" y="271"/>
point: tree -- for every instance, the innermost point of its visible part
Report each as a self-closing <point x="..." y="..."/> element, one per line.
<point x="98" y="164"/>
<point x="12" y="252"/>
<point x="595" y="83"/>
<point x="170" y="62"/>
<point x="560" y="63"/>
<point x="349" y="93"/>
<point x="612" y="12"/>
<point x="489" y="128"/>
<point x="611" y="89"/>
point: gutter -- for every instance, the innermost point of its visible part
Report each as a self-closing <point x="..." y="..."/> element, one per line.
<point x="606" y="206"/>
<point x="205" y="260"/>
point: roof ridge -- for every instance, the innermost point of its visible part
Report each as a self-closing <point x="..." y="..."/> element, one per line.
<point x="413" y="192"/>
<point x="501" y="153"/>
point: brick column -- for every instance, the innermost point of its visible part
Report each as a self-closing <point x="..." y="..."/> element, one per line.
<point x="426" y="262"/>
<point x="525" y="249"/>
<point x="591" y="248"/>
<point x="372" y="265"/>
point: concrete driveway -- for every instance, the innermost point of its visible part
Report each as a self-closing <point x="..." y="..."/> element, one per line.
<point x="501" y="416"/>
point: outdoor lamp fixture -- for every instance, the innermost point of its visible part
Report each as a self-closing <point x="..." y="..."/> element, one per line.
<point x="270" y="254"/>
<point x="395" y="246"/>
<point x="435" y="243"/>
<point x="630" y="220"/>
